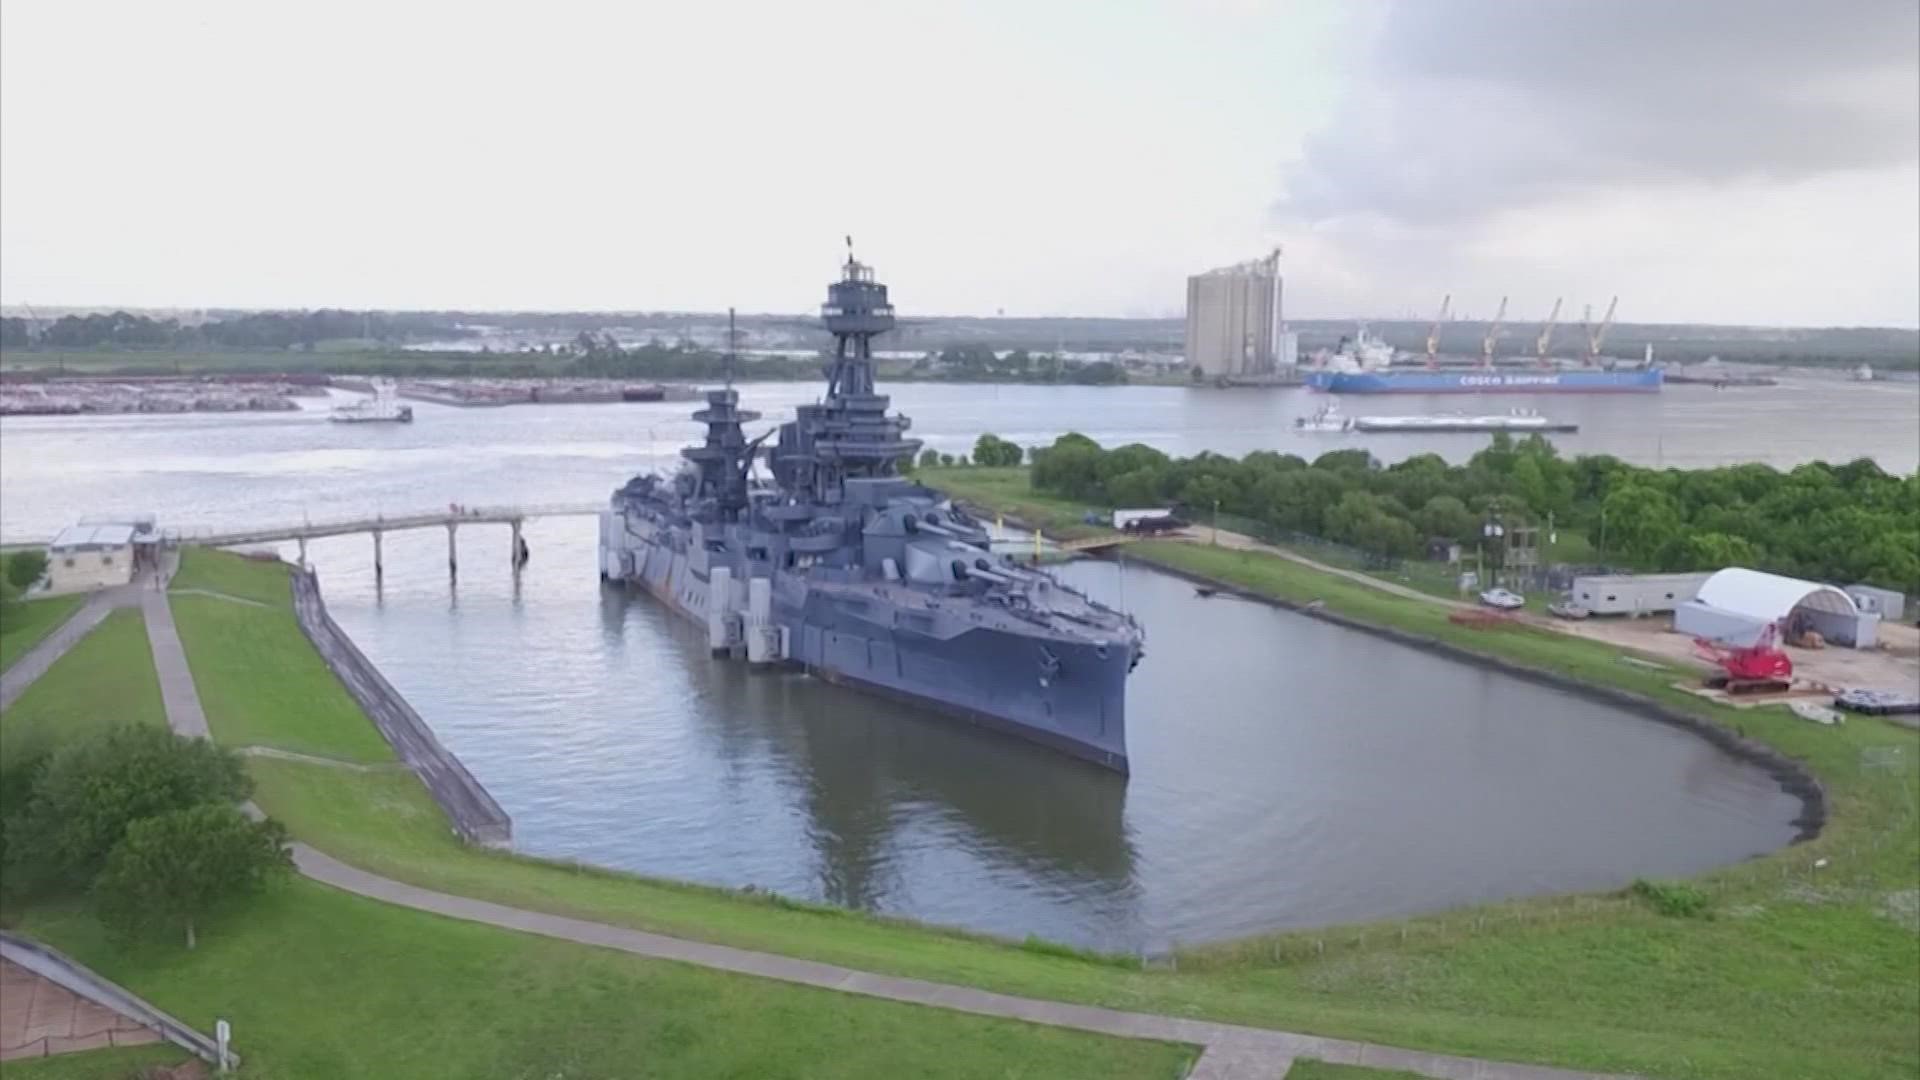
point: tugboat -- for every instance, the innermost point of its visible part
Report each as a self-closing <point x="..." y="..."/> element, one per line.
<point x="841" y="566"/>
<point x="383" y="407"/>
<point x="1325" y="418"/>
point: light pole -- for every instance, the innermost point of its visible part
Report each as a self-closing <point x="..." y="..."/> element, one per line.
<point x="1492" y="530"/>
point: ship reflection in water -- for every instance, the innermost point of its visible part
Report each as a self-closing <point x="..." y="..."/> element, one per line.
<point x="892" y="794"/>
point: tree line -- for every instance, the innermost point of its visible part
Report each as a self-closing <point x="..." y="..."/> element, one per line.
<point x="979" y="363"/>
<point x="254" y="330"/>
<point x="1842" y="523"/>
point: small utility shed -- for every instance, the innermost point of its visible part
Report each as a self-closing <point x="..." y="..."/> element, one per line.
<point x="90" y="556"/>
<point x="1736" y="604"/>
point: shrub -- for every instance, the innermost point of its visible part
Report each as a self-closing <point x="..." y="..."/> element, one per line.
<point x="25" y="567"/>
<point x="1673" y="898"/>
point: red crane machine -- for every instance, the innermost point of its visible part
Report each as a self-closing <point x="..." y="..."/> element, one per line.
<point x="1758" y="668"/>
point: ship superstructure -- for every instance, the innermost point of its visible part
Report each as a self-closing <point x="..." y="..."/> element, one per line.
<point x="840" y="565"/>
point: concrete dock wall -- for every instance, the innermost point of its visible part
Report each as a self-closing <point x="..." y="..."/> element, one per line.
<point x="475" y="816"/>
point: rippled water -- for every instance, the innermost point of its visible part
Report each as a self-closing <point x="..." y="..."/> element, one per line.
<point x="1286" y="772"/>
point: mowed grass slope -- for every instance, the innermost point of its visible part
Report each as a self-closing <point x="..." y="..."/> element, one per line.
<point x="322" y="985"/>
<point x="260" y="681"/>
<point x="261" y="580"/>
<point x="1598" y="982"/>
<point x="105" y="680"/>
<point x="23" y="623"/>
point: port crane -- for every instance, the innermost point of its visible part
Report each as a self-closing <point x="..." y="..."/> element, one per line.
<point x="1433" y="335"/>
<point x="1596" y="336"/>
<point x="1493" y="334"/>
<point x="1545" y="340"/>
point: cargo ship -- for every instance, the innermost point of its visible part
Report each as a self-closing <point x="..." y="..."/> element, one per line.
<point x="1365" y="366"/>
<point x="1482" y="381"/>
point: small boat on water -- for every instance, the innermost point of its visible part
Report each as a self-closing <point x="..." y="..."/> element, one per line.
<point x="1516" y="420"/>
<point x="1325" y="418"/>
<point x="383" y="407"/>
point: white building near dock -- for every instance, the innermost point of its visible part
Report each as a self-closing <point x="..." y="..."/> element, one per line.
<point x="98" y="553"/>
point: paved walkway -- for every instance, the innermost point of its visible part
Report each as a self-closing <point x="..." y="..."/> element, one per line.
<point x="1242" y="542"/>
<point x="15" y="680"/>
<point x="184" y="714"/>
<point x="1230" y="1052"/>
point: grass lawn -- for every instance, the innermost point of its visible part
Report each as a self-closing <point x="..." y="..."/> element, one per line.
<point x="320" y="984"/>
<point x="1007" y="491"/>
<point x="24" y="622"/>
<point x="105" y="680"/>
<point x="262" y="684"/>
<point x="1593" y="982"/>
<point x="112" y="1063"/>
<point x="109" y="1064"/>
<point x="1320" y="1070"/>
<point x="233" y="575"/>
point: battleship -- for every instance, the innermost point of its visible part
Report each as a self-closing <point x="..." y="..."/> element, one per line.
<point x="836" y="563"/>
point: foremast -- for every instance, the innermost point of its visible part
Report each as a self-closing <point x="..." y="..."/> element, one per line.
<point x="848" y="435"/>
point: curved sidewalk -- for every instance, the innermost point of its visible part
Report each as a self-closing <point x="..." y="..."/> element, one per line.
<point x="1230" y="1052"/>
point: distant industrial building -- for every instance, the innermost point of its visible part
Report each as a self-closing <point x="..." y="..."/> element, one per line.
<point x="1235" y="324"/>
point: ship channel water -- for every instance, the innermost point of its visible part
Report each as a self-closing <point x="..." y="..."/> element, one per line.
<point x="1286" y="773"/>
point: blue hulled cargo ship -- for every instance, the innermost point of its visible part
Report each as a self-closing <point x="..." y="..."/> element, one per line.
<point x="1480" y="381"/>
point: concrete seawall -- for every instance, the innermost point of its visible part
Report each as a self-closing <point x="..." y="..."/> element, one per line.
<point x="475" y="816"/>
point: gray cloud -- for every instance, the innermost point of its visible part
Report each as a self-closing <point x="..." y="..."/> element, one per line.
<point x="1476" y="106"/>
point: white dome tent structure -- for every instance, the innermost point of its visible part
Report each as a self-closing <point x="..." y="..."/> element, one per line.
<point x="1736" y="604"/>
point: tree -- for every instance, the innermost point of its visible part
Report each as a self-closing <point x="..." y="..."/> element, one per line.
<point x="178" y="868"/>
<point x="993" y="450"/>
<point x="1141" y="487"/>
<point x="1444" y="515"/>
<point x="1640" y="522"/>
<point x="91" y="791"/>
<point x="929" y="458"/>
<point x="25" y="567"/>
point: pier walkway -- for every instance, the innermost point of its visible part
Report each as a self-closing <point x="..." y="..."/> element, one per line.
<point x="450" y="517"/>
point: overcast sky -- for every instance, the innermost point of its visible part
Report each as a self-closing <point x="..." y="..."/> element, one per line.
<point x="1746" y="161"/>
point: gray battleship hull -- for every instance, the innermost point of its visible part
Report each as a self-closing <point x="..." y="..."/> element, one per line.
<point x="980" y="674"/>
<point x="840" y="564"/>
